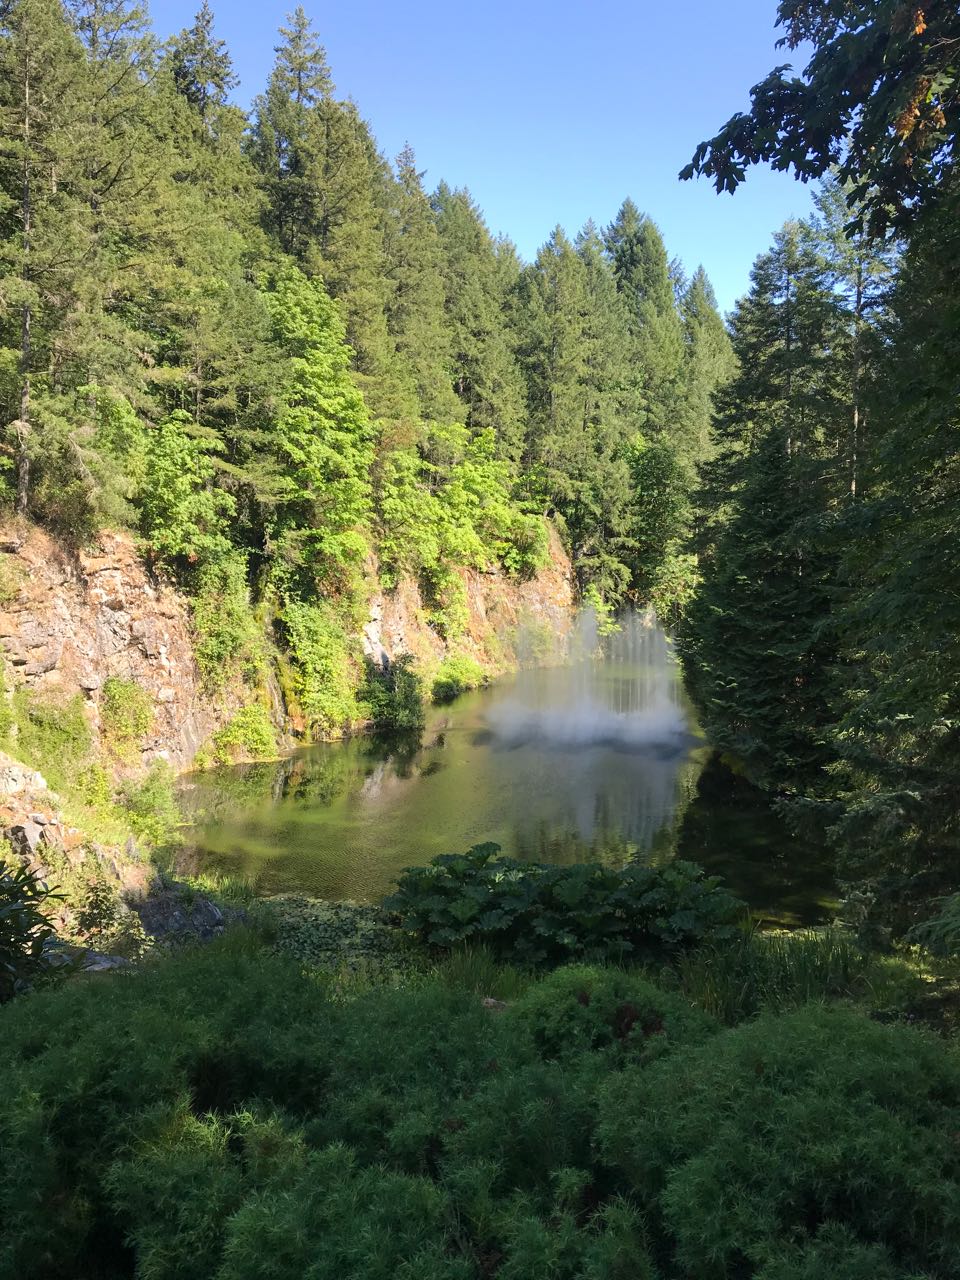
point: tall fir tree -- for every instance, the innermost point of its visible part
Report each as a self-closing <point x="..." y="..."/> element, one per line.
<point x="760" y="637"/>
<point x="202" y="67"/>
<point x="415" y="319"/>
<point x="643" y="277"/>
<point x="708" y="365"/>
<point x="577" y="434"/>
<point x="485" y="373"/>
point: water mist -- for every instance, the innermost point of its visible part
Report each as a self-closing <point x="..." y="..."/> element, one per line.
<point x="618" y="690"/>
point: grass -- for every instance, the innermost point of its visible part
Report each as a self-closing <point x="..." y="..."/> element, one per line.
<point x="736" y="978"/>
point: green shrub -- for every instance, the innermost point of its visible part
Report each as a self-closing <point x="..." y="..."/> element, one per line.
<point x="151" y="806"/>
<point x="126" y="715"/>
<point x="394" y="694"/>
<point x="105" y="924"/>
<point x="229" y="641"/>
<point x="812" y="1134"/>
<point x="249" y="735"/>
<point x="11" y="579"/>
<point x="538" y="914"/>
<point x="53" y="735"/>
<point x="940" y="935"/>
<point x="325" y="672"/>
<point x="329" y="935"/>
<point x="25" y="931"/>
<point x="217" y="1113"/>
<point x="581" y="1009"/>
<point x="457" y="674"/>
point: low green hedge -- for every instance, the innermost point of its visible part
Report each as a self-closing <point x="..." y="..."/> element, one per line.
<point x="218" y="1115"/>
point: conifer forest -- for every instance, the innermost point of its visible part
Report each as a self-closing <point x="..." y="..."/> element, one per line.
<point x="364" y="469"/>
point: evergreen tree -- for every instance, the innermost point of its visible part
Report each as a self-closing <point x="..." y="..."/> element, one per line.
<point x="485" y="373"/>
<point x="896" y="822"/>
<point x="416" y="319"/>
<point x="643" y="277"/>
<point x="760" y="637"/>
<point x="48" y="212"/>
<point x="286" y="137"/>
<point x="202" y="67"/>
<point x="326" y="203"/>
<point x="572" y="356"/>
<point x="708" y="365"/>
<point x="323" y="439"/>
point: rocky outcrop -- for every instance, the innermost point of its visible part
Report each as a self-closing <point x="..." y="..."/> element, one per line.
<point x="32" y="824"/>
<point x="71" y="620"/>
<point x="510" y="621"/>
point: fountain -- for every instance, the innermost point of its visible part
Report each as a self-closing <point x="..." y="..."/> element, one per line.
<point x="620" y="690"/>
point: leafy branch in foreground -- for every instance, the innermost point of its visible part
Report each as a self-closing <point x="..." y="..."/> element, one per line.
<point x="24" y="929"/>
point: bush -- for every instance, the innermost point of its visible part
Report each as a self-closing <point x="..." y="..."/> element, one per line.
<point x="940" y="935"/>
<point x="24" y="929"/>
<point x="394" y="694"/>
<point x="326" y="680"/>
<point x="581" y="1009"/>
<point x="126" y="715"/>
<point x="11" y="579"/>
<point x="539" y="914"/>
<point x="813" y="1135"/>
<point x="229" y="640"/>
<point x="151" y="805"/>
<point x="105" y="924"/>
<point x="249" y="735"/>
<point x="219" y="1114"/>
<point x="329" y="935"/>
<point x="457" y="674"/>
<point x="53" y="735"/>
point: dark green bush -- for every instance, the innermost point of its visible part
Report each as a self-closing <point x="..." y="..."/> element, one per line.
<point x="24" y="929"/>
<point x="802" y="1145"/>
<point x="217" y="1115"/>
<point x="734" y="978"/>
<point x="581" y="1009"/>
<point x="539" y="914"/>
<point x="940" y="934"/>
<point x="394" y="695"/>
<point x="150" y="805"/>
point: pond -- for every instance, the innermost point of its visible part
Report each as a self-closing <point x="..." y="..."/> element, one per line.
<point x="599" y="759"/>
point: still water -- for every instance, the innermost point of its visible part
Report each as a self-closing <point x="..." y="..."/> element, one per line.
<point x="599" y="759"/>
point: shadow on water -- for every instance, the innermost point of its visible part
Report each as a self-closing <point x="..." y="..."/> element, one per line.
<point x="596" y="760"/>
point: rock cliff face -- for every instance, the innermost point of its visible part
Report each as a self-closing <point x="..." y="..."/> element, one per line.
<point x="509" y="621"/>
<point x="70" y="620"/>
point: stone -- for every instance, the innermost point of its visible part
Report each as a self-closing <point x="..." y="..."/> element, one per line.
<point x="97" y="962"/>
<point x="45" y="659"/>
<point x="25" y="838"/>
<point x="176" y="914"/>
<point x="17" y="778"/>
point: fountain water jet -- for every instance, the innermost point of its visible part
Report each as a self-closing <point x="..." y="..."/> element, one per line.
<point x="620" y="690"/>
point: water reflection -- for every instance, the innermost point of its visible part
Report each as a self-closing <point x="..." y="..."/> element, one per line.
<point x="595" y="760"/>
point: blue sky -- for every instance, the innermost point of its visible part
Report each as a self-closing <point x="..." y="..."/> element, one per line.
<point x="551" y="112"/>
